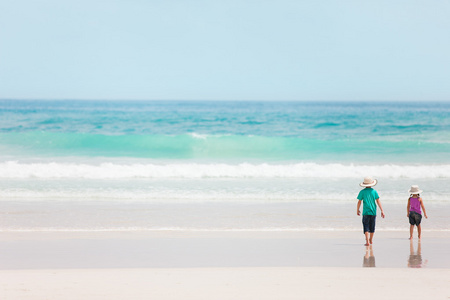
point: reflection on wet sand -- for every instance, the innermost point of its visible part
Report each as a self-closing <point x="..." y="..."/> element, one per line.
<point x="415" y="258"/>
<point x="369" y="258"/>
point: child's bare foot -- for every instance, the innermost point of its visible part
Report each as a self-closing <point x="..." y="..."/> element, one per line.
<point x="366" y="244"/>
<point x="410" y="237"/>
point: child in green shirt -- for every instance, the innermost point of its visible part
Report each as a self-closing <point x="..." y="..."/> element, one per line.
<point x="370" y="199"/>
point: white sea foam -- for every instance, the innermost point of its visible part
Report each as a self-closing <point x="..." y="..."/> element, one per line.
<point x="58" y="170"/>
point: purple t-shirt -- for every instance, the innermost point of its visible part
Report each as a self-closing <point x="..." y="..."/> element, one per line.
<point x="414" y="205"/>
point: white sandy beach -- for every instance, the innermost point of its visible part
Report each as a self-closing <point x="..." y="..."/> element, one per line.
<point x="226" y="283"/>
<point x="222" y="265"/>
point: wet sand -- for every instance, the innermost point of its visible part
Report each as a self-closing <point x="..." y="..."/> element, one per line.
<point x="222" y="265"/>
<point x="172" y="249"/>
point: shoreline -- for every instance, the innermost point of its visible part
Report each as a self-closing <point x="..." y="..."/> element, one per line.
<point x="226" y="265"/>
<point x="181" y="249"/>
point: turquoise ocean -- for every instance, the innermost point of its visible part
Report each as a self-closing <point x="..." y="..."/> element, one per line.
<point x="218" y="165"/>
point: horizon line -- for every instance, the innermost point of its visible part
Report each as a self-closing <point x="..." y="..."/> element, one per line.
<point x="221" y="100"/>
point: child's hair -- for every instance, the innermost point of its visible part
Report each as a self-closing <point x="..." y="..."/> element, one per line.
<point x="418" y="195"/>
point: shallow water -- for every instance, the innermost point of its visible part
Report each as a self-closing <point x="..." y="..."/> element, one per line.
<point x="292" y="166"/>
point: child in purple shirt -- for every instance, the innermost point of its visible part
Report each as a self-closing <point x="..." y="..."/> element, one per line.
<point x="414" y="213"/>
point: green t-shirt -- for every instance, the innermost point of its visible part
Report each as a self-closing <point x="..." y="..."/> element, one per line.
<point x="369" y="196"/>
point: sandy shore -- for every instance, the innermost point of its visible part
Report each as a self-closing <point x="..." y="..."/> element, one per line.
<point x="222" y="265"/>
<point x="226" y="283"/>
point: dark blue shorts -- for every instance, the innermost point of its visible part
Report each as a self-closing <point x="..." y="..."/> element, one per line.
<point x="414" y="218"/>
<point x="369" y="223"/>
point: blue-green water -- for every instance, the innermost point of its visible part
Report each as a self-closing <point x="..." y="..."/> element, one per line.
<point x="276" y="157"/>
<point x="239" y="131"/>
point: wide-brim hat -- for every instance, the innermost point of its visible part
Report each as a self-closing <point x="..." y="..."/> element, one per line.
<point x="368" y="182"/>
<point x="415" y="190"/>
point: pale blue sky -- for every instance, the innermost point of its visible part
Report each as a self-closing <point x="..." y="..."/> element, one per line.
<point x="227" y="50"/>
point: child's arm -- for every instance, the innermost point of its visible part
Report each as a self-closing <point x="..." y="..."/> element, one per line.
<point x="423" y="208"/>
<point x="357" y="207"/>
<point x="381" y="208"/>
<point x="407" y="207"/>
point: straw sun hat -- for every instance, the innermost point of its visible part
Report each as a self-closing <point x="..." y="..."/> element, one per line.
<point x="415" y="190"/>
<point x="369" y="182"/>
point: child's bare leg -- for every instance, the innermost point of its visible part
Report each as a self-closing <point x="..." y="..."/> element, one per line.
<point x="419" y="230"/>
<point x="371" y="237"/>
<point x="411" y="230"/>
<point x="367" y="238"/>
